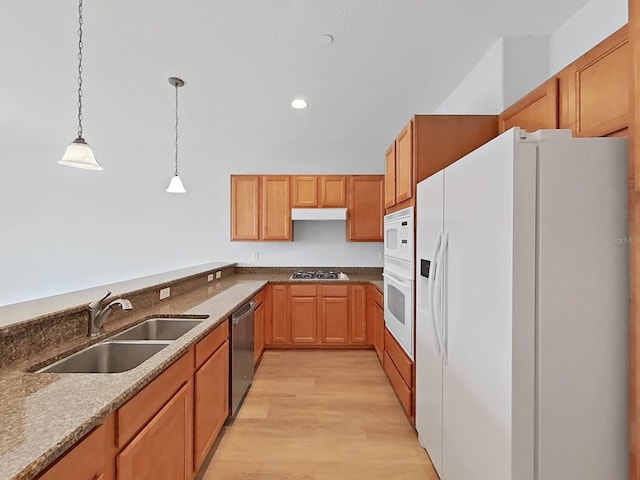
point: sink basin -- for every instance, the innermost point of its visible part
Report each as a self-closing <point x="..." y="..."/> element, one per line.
<point x="107" y="357"/>
<point x="159" y="329"/>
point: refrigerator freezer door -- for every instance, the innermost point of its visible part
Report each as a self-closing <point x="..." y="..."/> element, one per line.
<point x="477" y="380"/>
<point x="430" y="195"/>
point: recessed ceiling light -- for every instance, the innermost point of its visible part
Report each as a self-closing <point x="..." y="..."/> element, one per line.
<point x="299" y="104"/>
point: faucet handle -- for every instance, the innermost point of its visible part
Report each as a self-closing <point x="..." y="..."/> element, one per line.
<point x="96" y="303"/>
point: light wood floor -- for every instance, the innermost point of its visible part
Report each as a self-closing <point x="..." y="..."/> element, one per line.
<point x="320" y="415"/>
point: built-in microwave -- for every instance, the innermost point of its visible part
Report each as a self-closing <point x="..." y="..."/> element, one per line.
<point x="398" y="235"/>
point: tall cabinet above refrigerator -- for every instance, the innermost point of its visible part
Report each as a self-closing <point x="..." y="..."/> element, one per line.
<point x="522" y="310"/>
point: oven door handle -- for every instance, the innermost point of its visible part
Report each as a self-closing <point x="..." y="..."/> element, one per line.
<point x="397" y="280"/>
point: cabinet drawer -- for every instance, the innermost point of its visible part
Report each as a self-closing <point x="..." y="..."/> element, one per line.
<point x="334" y="290"/>
<point x="84" y="461"/>
<point x="401" y="388"/>
<point x="134" y="414"/>
<point x="402" y="361"/>
<point x="303" y="290"/>
<point x="210" y="343"/>
<point x="377" y="296"/>
<point x="260" y="297"/>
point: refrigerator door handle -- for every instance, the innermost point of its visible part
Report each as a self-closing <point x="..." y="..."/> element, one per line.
<point x="437" y="304"/>
<point x="431" y="312"/>
<point x="444" y="318"/>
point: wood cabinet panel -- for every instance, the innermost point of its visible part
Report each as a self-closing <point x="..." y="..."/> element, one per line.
<point x="305" y="290"/>
<point x="210" y="343"/>
<point x="211" y="402"/>
<point x="133" y="415"/>
<point x="279" y="316"/>
<point x="358" y="317"/>
<point x="84" y="461"/>
<point x="539" y="109"/>
<point x="333" y="191"/>
<point x="276" y="211"/>
<point x="334" y="290"/>
<point x="258" y="332"/>
<point x="402" y="361"/>
<point x="402" y="389"/>
<point x="390" y="177"/>
<point x="164" y="448"/>
<point x="602" y="83"/>
<point x="245" y="207"/>
<point x="305" y="191"/>
<point x="378" y="330"/>
<point x="366" y="211"/>
<point x="304" y="319"/>
<point x="404" y="164"/>
<point x="334" y="319"/>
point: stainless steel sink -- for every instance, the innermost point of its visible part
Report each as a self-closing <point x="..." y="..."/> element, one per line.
<point x="159" y="329"/>
<point x="107" y="357"/>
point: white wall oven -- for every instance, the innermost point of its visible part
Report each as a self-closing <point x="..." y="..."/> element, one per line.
<point x="399" y="276"/>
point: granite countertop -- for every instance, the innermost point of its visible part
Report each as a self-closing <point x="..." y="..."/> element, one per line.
<point x="43" y="414"/>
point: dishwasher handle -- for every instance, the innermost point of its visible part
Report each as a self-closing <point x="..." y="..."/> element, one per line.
<point x="244" y="311"/>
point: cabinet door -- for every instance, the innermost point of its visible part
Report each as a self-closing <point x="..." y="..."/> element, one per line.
<point x="539" y="109"/>
<point x="404" y="164"/>
<point x="276" y="208"/>
<point x="378" y="330"/>
<point x="334" y="319"/>
<point x="305" y="191"/>
<point x="366" y="211"/>
<point x="304" y="319"/>
<point x="390" y="178"/>
<point x="212" y="402"/>
<point x="333" y="191"/>
<point x="279" y="318"/>
<point x="258" y="332"/>
<point x="358" y="317"/>
<point x="164" y="448"/>
<point x="85" y="461"/>
<point x="245" y="207"/>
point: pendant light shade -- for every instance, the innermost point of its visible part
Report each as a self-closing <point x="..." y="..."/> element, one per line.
<point x="175" y="185"/>
<point x="79" y="153"/>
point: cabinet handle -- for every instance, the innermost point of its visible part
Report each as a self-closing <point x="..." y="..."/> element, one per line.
<point x="99" y="477"/>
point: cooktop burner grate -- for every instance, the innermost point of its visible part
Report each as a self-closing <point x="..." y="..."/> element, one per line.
<point x="319" y="275"/>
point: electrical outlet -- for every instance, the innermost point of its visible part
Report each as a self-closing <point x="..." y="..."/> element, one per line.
<point x="165" y="293"/>
<point x="218" y="274"/>
<point x="210" y="277"/>
<point x="255" y="256"/>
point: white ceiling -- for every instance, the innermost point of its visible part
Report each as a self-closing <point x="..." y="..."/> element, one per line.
<point x="243" y="61"/>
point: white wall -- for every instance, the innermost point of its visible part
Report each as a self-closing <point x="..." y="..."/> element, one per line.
<point x="589" y="26"/>
<point x="511" y="68"/>
<point x="64" y="229"/>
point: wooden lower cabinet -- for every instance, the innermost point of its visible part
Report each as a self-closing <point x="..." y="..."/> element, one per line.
<point x="304" y="319"/>
<point x="258" y="332"/>
<point x="377" y="317"/>
<point x="278" y="332"/>
<point x="163" y="449"/>
<point x="211" y="402"/>
<point x="358" y="314"/>
<point x="85" y="461"/>
<point x="334" y="318"/>
<point x="399" y="368"/>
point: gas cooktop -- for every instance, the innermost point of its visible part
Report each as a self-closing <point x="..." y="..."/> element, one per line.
<point x="318" y="275"/>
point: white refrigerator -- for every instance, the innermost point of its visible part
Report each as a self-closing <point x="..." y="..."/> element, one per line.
<point x="522" y="310"/>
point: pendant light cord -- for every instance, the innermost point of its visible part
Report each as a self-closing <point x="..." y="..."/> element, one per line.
<point x="80" y="21"/>
<point x="176" y="172"/>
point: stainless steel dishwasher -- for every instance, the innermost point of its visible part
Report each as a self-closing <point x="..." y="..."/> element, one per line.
<point x="241" y="354"/>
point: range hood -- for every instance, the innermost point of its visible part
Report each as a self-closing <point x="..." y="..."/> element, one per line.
<point x="318" y="214"/>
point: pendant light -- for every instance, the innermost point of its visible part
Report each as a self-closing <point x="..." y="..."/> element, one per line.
<point x="175" y="185"/>
<point x="79" y="153"/>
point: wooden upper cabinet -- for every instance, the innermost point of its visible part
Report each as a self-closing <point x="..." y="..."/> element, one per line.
<point x="598" y="88"/>
<point x="404" y="164"/>
<point x="333" y="191"/>
<point x="276" y="209"/>
<point x="539" y="109"/>
<point x="366" y="210"/>
<point x="245" y="207"/>
<point x="305" y="191"/>
<point x="390" y="178"/>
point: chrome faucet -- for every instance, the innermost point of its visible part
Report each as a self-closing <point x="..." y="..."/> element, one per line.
<point x="97" y="315"/>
